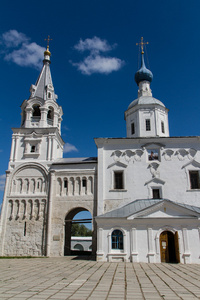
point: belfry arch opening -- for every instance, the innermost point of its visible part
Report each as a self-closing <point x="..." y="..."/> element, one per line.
<point x="36" y="115"/>
<point x="169" y="247"/>
<point x="50" y="116"/>
<point x="78" y="232"/>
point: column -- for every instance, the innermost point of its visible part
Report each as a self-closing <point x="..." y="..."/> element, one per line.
<point x="16" y="147"/>
<point x="4" y="212"/>
<point x="55" y="119"/>
<point x="51" y="191"/>
<point x="186" y="254"/>
<point x="43" y="120"/>
<point x="49" y="148"/>
<point x="151" y="253"/>
<point x="12" y="149"/>
<point x="134" y="253"/>
<point x="52" y="145"/>
<point x="100" y="251"/>
<point x="28" y="111"/>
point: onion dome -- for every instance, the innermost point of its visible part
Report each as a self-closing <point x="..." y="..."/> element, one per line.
<point x="143" y="74"/>
<point x="47" y="52"/>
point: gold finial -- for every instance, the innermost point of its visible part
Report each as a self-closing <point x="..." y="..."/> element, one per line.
<point x="141" y="44"/>
<point x="47" y="52"/>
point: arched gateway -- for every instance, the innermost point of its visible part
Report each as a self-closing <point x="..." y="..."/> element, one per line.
<point x="169" y="247"/>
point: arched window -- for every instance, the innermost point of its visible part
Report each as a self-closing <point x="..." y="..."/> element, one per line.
<point x="117" y="239"/>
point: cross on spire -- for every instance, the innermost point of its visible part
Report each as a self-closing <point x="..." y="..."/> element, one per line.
<point x="48" y="40"/>
<point x="141" y="44"/>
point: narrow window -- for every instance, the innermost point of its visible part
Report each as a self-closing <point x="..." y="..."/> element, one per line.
<point x="194" y="180"/>
<point x="65" y="184"/>
<point x="133" y="128"/>
<point x="148" y="125"/>
<point x="84" y="182"/>
<point x="117" y="239"/>
<point x="156" y="193"/>
<point x="118" y="180"/>
<point x="24" y="228"/>
<point x="162" y="127"/>
<point x="33" y="148"/>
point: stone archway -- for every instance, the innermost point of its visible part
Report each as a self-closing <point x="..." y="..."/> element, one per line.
<point x="169" y="247"/>
<point x="68" y="226"/>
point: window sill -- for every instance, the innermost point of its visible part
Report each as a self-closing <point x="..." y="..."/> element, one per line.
<point x="116" y="253"/>
<point x="193" y="190"/>
<point x="31" y="154"/>
<point x="118" y="190"/>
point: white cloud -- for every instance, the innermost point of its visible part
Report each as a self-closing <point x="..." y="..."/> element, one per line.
<point x="13" y="38"/>
<point x="99" y="64"/>
<point x="29" y="55"/>
<point x="69" y="148"/>
<point x="2" y="182"/>
<point x="94" y="44"/>
<point x="95" y="62"/>
<point x="18" y="49"/>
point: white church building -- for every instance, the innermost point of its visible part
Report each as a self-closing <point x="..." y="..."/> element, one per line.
<point x="143" y="191"/>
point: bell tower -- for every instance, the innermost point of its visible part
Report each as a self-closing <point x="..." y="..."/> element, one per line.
<point x="39" y="136"/>
<point x="146" y="116"/>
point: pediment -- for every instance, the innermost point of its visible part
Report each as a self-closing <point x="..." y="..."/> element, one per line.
<point x="155" y="180"/>
<point x="153" y="145"/>
<point x="193" y="163"/>
<point x="117" y="164"/>
<point x="166" y="209"/>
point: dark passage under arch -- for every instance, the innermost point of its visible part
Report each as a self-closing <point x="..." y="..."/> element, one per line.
<point x="69" y="221"/>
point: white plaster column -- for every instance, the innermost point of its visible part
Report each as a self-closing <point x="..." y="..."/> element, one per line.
<point x="157" y="125"/>
<point x="109" y="242"/>
<point x="133" y="237"/>
<point x="100" y="251"/>
<point x="49" y="148"/>
<point x="43" y="119"/>
<point x="186" y="254"/>
<point x="4" y="211"/>
<point x="100" y="176"/>
<point x="52" y="145"/>
<point x="51" y="191"/>
<point x="16" y="148"/>
<point x="55" y="119"/>
<point x="12" y="149"/>
<point x="151" y="253"/>
<point x="29" y="111"/>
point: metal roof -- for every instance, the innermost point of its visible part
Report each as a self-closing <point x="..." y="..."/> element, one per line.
<point x="75" y="160"/>
<point x="139" y="205"/>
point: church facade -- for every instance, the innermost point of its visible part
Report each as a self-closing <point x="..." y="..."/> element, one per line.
<point x="143" y="191"/>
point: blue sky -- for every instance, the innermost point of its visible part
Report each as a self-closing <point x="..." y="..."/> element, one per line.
<point x="94" y="59"/>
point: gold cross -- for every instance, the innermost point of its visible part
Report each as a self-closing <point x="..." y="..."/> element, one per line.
<point x="48" y="40"/>
<point x="141" y="44"/>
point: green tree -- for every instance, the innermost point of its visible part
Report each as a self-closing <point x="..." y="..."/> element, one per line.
<point x="80" y="230"/>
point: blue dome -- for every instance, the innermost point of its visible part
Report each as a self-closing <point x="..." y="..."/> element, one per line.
<point x="143" y="73"/>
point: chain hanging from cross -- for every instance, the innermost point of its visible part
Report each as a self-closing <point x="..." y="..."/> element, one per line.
<point x="48" y="40"/>
<point x="142" y="44"/>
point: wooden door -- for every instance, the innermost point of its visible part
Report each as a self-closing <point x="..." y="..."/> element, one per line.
<point x="164" y="251"/>
<point x="176" y="247"/>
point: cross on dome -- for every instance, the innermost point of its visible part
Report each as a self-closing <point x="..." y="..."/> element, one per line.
<point x="47" y="52"/>
<point x="141" y="44"/>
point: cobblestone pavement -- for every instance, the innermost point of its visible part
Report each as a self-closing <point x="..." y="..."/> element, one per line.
<point x="69" y="278"/>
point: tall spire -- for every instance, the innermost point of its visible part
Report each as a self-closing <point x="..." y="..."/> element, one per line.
<point x="43" y="88"/>
<point x="143" y="74"/>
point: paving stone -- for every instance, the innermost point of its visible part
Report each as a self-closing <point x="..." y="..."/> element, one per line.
<point x="63" y="278"/>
